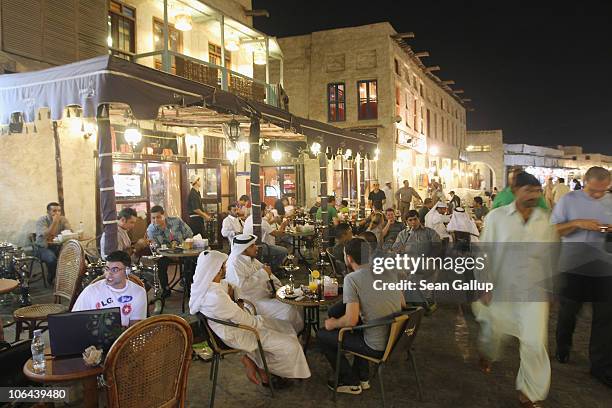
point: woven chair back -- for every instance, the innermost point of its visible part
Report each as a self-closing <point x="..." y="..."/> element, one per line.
<point x="70" y="270"/>
<point x="148" y="364"/>
<point x="395" y="333"/>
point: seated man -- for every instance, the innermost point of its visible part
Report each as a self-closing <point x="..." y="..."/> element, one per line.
<point x="437" y="218"/>
<point x="480" y="209"/>
<point x="47" y="228"/>
<point x="244" y="206"/>
<point x="253" y="281"/>
<point x="360" y="300"/>
<point x="126" y="222"/>
<point x="269" y="235"/>
<point x="168" y="231"/>
<point x="391" y="229"/>
<point x="344" y="233"/>
<point x="427" y="205"/>
<point x="115" y="290"/>
<point x="232" y="224"/>
<point x="210" y="296"/>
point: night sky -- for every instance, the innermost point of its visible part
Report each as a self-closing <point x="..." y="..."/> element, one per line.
<point x="541" y="72"/>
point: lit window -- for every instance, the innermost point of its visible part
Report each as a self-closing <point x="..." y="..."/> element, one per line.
<point x="336" y="108"/>
<point x="368" y="99"/>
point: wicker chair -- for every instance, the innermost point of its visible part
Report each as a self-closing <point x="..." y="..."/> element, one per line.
<point x="407" y="322"/>
<point x="70" y="271"/>
<point x="220" y="349"/>
<point x="148" y="364"/>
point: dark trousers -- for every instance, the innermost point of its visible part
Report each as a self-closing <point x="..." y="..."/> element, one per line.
<point x="197" y="225"/>
<point x="49" y="257"/>
<point x="328" y="340"/>
<point x="162" y="268"/>
<point x="600" y="345"/>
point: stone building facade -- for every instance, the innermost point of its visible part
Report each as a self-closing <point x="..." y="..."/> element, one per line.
<point x="485" y="152"/>
<point x="342" y="76"/>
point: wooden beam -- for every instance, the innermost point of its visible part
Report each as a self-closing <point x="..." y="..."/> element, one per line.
<point x="432" y="68"/>
<point x="458" y="91"/>
<point x="404" y="35"/>
<point x="421" y="54"/>
<point x="448" y="82"/>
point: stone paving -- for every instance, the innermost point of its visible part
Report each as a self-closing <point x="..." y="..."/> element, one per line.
<point x="446" y="355"/>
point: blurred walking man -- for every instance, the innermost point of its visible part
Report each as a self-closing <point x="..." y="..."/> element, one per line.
<point x="519" y="235"/>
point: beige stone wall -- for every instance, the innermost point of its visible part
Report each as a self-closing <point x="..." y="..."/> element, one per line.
<point x="28" y="181"/>
<point x="367" y="52"/>
<point x="493" y="159"/>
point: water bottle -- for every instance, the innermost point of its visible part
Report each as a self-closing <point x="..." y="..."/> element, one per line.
<point x="81" y="230"/>
<point x="38" y="352"/>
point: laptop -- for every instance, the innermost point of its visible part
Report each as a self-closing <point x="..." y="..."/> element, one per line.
<point x="72" y="332"/>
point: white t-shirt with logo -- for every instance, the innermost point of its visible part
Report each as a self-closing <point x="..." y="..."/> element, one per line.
<point x="131" y="300"/>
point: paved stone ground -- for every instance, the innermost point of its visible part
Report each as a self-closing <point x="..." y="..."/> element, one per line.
<point x="446" y="355"/>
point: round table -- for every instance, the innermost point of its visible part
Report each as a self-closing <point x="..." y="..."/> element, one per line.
<point x="311" y="310"/>
<point x="187" y="278"/>
<point x="8" y="285"/>
<point x="64" y="369"/>
<point x="297" y="238"/>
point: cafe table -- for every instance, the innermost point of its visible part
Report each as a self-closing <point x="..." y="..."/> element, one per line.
<point x="60" y="370"/>
<point x="297" y="238"/>
<point x="311" y="310"/>
<point x="187" y="254"/>
<point x="8" y="285"/>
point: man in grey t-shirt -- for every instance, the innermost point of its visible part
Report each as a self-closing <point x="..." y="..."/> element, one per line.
<point x="584" y="220"/>
<point x="361" y="300"/>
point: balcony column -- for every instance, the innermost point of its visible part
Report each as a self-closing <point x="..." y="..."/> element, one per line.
<point x="281" y="76"/>
<point x="323" y="195"/>
<point x="224" y="69"/>
<point x="166" y="65"/>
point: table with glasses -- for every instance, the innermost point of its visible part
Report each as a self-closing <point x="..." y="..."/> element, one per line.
<point x="66" y="369"/>
<point x="311" y="310"/>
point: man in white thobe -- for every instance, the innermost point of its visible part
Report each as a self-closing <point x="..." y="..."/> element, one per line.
<point x="253" y="281"/>
<point x="210" y="296"/>
<point x="436" y="219"/>
<point x="519" y="255"/>
<point x="461" y="222"/>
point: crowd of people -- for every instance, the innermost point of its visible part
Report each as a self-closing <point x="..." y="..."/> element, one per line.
<point x="518" y="306"/>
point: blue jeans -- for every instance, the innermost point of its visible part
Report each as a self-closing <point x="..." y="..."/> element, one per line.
<point x="277" y="255"/>
<point x="49" y="257"/>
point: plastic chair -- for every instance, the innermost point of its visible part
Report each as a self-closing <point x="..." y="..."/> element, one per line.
<point x="70" y="271"/>
<point x="404" y="323"/>
<point x="148" y="364"/>
<point x="220" y="349"/>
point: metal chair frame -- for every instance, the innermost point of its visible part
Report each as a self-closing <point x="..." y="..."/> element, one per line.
<point x="220" y="349"/>
<point x="399" y="325"/>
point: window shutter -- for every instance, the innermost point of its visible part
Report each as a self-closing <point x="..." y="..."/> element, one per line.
<point x="93" y="28"/>
<point x="22" y="28"/>
<point x="59" y="38"/>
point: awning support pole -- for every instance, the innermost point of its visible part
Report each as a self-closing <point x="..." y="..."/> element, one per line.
<point x="254" y="132"/>
<point x="324" y="214"/>
<point x="362" y="203"/>
<point x="58" y="167"/>
<point x="108" y="207"/>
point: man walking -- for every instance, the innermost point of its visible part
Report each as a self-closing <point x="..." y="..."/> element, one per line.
<point x="559" y="190"/>
<point x="583" y="219"/>
<point x="404" y="198"/>
<point x="388" y="190"/>
<point x="519" y="235"/>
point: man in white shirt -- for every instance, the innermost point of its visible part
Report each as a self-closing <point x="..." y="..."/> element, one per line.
<point x="388" y="190"/>
<point x="232" y="224"/>
<point x="127" y="218"/>
<point x="253" y="281"/>
<point x="519" y="239"/>
<point x="268" y="236"/>
<point x="115" y="290"/>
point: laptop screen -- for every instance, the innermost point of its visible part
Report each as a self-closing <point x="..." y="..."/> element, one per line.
<point x="72" y="332"/>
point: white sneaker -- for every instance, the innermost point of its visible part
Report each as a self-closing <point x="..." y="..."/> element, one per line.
<point x="365" y="385"/>
<point x="345" y="389"/>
